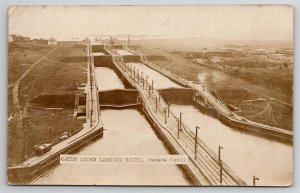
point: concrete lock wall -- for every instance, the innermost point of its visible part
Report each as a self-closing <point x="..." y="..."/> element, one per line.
<point x="132" y="58"/>
<point x="103" y="61"/>
<point x="99" y="48"/>
<point x="118" y="97"/>
<point x="178" y="95"/>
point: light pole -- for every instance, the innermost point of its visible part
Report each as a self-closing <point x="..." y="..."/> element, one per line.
<point x="143" y="83"/>
<point x="221" y="172"/>
<point x="152" y="85"/>
<point x="219" y="155"/>
<point x="26" y="147"/>
<point x="146" y="81"/>
<point x="168" y="109"/>
<point x="165" y="115"/>
<point x="149" y="90"/>
<point x="196" y="141"/>
<point x="177" y="128"/>
<point x="142" y="79"/>
<point x="254" y="180"/>
<point x="180" y="120"/>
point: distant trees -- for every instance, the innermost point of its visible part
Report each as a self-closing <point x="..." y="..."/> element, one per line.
<point x="19" y="38"/>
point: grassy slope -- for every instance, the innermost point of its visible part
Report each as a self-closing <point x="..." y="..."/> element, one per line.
<point x="52" y="78"/>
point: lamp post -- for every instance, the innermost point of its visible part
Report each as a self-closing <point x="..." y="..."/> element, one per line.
<point x="180" y="120"/>
<point x="254" y="180"/>
<point x="149" y="90"/>
<point x="26" y="147"/>
<point x="152" y="85"/>
<point x="168" y="109"/>
<point x="219" y="154"/>
<point x="221" y="172"/>
<point x="138" y="76"/>
<point x="142" y="79"/>
<point x="196" y="141"/>
<point x="177" y="128"/>
<point x="165" y="115"/>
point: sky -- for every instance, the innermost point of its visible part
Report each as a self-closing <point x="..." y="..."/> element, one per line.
<point x="227" y="22"/>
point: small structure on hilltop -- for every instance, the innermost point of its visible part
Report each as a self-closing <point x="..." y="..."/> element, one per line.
<point x="52" y="41"/>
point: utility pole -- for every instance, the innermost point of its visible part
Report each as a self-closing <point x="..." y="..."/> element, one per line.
<point x="155" y="104"/>
<point x="168" y="104"/>
<point x="219" y="154"/>
<point x="254" y="180"/>
<point x="196" y="141"/>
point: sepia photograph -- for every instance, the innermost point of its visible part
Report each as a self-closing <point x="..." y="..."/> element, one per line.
<point x="165" y="95"/>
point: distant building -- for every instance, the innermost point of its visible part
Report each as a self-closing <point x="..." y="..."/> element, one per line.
<point x="52" y="41"/>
